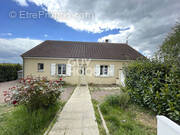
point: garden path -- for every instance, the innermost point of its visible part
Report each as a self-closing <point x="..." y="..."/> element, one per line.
<point x="77" y="116"/>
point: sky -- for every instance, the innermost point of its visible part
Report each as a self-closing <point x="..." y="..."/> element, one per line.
<point x="26" y="23"/>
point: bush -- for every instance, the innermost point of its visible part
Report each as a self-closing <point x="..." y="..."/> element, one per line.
<point x="155" y="85"/>
<point x="34" y="93"/>
<point x="8" y="72"/>
<point x="120" y="100"/>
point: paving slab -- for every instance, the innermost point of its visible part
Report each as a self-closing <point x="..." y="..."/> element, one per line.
<point x="77" y="116"/>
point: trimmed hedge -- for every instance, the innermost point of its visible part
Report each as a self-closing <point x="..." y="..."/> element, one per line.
<point x="8" y="72"/>
<point x="155" y="85"/>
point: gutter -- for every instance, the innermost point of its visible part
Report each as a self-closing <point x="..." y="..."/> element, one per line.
<point x="76" y="59"/>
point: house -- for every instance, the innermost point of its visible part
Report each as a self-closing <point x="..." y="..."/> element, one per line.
<point x="96" y="62"/>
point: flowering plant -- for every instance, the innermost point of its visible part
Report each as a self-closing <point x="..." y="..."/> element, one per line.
<point x="34" y="93"/>
<point x="60" y="79"/>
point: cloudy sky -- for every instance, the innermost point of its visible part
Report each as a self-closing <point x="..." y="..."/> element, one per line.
<point x="26" y="23"/>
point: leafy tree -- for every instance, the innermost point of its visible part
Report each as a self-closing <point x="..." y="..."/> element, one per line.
<point x="170" y="49"/>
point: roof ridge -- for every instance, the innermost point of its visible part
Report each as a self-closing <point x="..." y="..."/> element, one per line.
<point x="84" y="42"/>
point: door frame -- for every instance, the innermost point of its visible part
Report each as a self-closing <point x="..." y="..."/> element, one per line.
<point x="82" y="69"/>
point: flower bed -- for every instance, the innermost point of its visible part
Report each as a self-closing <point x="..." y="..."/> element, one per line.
<point x="34" y="93"/>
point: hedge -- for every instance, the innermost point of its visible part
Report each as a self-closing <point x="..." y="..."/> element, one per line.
<point x="8" y="72"/>
<point x="155" y="85"/>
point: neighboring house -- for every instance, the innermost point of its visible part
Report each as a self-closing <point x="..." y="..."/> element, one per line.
<point x="98" y="63"/>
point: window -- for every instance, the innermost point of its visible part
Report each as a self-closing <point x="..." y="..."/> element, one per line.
<point x="61" y="69"/>
<point x="103" y="70"/>
<point x="40" y="66"/>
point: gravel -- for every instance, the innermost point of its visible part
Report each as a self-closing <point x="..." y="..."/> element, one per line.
<point x="66" y="94"/>
<point x="99" y="95"/>
<point x="5" y="86"/>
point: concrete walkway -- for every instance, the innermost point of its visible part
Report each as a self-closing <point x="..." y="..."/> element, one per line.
<point x="77" y="116"/>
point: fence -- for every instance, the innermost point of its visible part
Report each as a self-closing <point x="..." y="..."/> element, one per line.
<point x="167" y="127"/>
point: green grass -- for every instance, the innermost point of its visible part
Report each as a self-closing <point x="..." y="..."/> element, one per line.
<point x="5" y="108"/>
<point x="98" y="118"/>
<point x="123" y="121"/>
<point x="21" y="122"/>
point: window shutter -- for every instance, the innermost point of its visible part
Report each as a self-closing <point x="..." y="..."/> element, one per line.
<point x="68" y="70"/>
<point x="97" y="70"/>
<point x="53" y="69"/>
<point x="111" y="70"/>
<point x="122" y="78"/>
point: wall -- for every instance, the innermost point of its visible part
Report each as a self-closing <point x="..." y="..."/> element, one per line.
<point x="30" y="68"/>
<point x="167" y="127"/>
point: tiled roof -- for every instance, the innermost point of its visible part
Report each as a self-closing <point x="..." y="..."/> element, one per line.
<point x="88" y="50"/>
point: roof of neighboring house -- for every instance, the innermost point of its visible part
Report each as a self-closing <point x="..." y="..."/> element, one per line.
<point x="88" y="50"/>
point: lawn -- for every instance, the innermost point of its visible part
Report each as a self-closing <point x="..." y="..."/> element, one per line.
<point x="132" y="120"/>
<point x="21" y="122"/>
<point x="129" y="120"/>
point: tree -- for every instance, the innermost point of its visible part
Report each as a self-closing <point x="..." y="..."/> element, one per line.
<point x="170" y="49"/>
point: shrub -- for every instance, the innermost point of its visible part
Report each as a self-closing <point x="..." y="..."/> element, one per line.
<point x="120" y="100"/>
<point x="155" y="85"/>
<point x="34" y="93"/>
<point x="8" y="72"/>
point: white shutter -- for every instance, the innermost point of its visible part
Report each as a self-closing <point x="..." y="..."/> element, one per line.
<point x="68" y="72"/>
<point x="53" y="69"/>
<point x="97" y="70"/>
<point x="111" y="70"/>
<point x="122" y="78"/>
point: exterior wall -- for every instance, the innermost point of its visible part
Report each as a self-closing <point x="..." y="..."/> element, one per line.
<point x="30" y="68"/>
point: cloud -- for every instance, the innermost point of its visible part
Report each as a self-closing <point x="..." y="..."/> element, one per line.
<point x="6" y="34"/>
<point x="11" y="49"/>
<point x="45" y="35"/>
<point x="21" y="2"/>
<point x="151" y="20"/>
<point x="121" y="37"/>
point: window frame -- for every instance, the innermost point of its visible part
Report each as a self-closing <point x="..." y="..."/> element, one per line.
<point x="39" y="67"/>
<point x="104" y="70"/>
<point x="63" y="70"/>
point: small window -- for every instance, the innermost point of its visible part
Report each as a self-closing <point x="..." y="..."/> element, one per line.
<point x="40" y="66"/>
<point x="62" y="69"/>
<point x="103" y="70"/>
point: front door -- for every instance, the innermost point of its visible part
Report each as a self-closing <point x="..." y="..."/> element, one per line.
<point x="82" y="70"/>
<point x="82" y="77"/>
